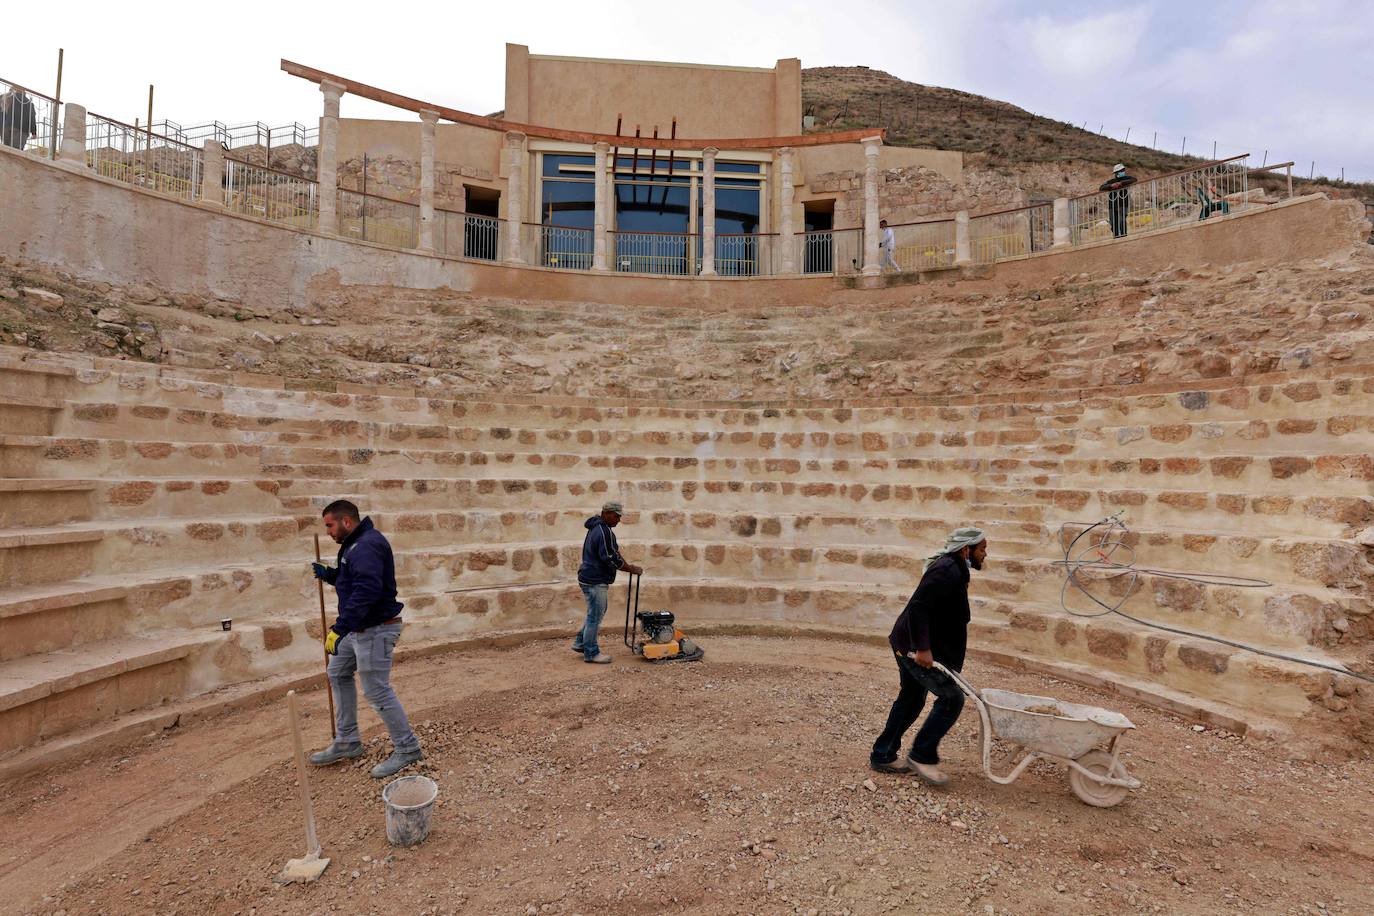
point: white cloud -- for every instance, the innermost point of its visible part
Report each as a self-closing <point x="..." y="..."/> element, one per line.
<point x="1091" y="47"/>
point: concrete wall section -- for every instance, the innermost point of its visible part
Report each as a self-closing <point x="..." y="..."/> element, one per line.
<point x="585" y="94"/>
<point x="69" y="219"/>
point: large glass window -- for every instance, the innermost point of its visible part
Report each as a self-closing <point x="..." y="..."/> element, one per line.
<point x="567" y="211"/>
<point x="653" y="206"/>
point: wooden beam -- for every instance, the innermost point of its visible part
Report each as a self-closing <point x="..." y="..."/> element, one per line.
<point x="363" y="90"/>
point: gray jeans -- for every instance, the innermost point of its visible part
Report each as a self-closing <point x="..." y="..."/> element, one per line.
<point x="369" y="653"/>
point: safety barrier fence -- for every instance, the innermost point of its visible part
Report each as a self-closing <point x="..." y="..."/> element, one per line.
<point x="922" y="246"/>
<point x="665" y="253"/>
<point x="745" y="255"/>
<point x="382" y="220"/>
<point x="269" y="194"/>
<point x="1220" y="187"/>
<point x="231" y="136"/>
<point x="559" y="247"/>
<point x="135" y="156"/>
<point x="28" y="119"/>
<point x="1012" y="233"/>
<point x="830" y="251"/>
<point x="468" y="235"/>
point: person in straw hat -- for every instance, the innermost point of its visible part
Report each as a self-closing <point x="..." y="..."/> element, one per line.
<point x="933" y="627"/>
<point x="600" y="560"/>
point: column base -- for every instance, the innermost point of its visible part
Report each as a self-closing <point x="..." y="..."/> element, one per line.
<point x="871" y="270"/>
<point x="708" y="273"/>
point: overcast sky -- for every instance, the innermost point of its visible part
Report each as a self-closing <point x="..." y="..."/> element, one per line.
<point x="1254" y="75"/>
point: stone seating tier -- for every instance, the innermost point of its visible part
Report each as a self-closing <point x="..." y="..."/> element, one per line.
<point x="138" y="507"/>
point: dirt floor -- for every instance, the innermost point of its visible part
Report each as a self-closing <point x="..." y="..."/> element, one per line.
<point x="737" y="785"/>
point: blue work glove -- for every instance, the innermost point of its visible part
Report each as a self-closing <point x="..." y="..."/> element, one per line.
<point x="331" y="642"/>
<point x="320" y="570"/>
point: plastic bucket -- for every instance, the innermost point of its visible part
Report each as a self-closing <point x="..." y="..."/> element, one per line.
<point x="409" y="807"/>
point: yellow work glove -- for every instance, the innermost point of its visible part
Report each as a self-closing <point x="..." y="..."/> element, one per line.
<point x="331" y="642"/>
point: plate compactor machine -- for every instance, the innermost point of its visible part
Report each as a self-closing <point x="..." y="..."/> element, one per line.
<point x="653" y="635"/>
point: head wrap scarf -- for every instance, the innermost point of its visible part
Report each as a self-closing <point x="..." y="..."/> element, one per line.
<point x="957" y="541"/>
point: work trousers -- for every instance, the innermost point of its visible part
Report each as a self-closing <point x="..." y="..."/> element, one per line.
<point x="597" y="596"/>
<point x="368" y="652"/>
<point x="916" y="682"/>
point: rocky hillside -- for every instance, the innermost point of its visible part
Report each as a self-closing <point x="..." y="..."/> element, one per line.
<point x="1049" y="157"/>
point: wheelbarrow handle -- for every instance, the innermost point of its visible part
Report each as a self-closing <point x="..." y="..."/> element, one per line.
<point x="984" y="723"/>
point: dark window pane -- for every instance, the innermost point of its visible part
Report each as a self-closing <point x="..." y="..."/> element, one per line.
<point x="568" y="203"/>
<point x="552" y="161"/>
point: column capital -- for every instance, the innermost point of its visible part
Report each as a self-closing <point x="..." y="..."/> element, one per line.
<point x="872" y="145"/>
<point x="429" y="116"/>
<point x="710" y="152"/>
<point x="786" y="151"/>
<point x="331" y="88"/>
<point x="515" y="138"/>
<point x="601" y="146"/>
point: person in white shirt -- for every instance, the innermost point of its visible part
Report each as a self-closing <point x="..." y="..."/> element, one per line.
<point x="886" y="246"/>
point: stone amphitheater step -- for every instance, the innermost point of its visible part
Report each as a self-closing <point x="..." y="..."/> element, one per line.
<point x="29" y="416"/>
<point x="1055" y="434"/>
<point x="42" y="696"/>
<point x="162" y="386"/>
<point x="32" y="456"/>
<point x="44" y="502"/>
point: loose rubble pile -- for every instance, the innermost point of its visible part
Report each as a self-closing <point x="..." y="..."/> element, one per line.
<point x="737" y="786"/>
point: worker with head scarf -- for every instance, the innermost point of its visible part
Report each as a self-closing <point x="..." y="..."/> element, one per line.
<point x="933" y="627"/>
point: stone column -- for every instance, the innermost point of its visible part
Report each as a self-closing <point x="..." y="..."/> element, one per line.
<point x="428" y="118"/>
<point x="515" y="195"/>
<point x="327" y="170"/>
<point x="787" y="206"/>
<point x="708" y="211"/>
<point x="1061" y="222"/>
<point x="962" y="249"/>
<point x="872" y="233"/>
<point x="73" y="147"/>
<point x="600" y="212"/>
<point x="212" y="174"/>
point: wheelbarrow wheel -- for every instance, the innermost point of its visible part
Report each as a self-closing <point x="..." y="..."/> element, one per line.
<point x="1090" y="791"/>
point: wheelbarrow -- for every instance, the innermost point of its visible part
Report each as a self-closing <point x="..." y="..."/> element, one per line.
<point x="1069" y="733"/>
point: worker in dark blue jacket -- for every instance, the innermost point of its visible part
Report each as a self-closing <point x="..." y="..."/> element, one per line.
<point x="600" y="560"/>
<point x="363" y="639"/>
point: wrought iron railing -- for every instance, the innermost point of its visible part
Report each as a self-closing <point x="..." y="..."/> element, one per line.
<point x="467" y="235"/>
<point x="1010" y="234"/>
<point x="269" y="194"/>
<point x="561" y="247"/>
<point x="744" y="255"/>
<point x="923" y="246"/>
<point x="28" y="119"/>
<point x="135" y="156"/>
<point x="1216" y="188"/>
<point x="378" y="219"/>
<point x="664" y="253"/>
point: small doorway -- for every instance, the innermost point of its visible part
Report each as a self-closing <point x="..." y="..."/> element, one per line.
<point x="818" y="243"/>
<point x="482" y="225"/>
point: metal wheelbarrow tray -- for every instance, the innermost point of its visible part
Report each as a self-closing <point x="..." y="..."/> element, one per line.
<point x="1070" y="733"/>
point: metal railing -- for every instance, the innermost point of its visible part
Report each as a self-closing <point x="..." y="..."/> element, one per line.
<point x="744" y="255"/>
<point x="467" y="235"/>
<point x="1220" y="187"/>
<point x="135" y="156"/>
<point x="275" y="196"/>
<point x="231" y="136"/>
<point x="922" y="246"/>
<point x="1009" y="234"/>
<point x="378" y="219"/>
<point x="28" y="119"/>
<point x="561" y="247"/>
<point x="663" y="253"/>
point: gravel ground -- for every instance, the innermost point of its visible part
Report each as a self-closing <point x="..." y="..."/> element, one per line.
<point x="737" y="785"/>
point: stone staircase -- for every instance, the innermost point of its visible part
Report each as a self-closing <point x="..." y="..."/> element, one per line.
<point x="140" y="505"/>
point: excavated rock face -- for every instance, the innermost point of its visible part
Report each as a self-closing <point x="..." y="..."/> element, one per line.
<point x="1076" y="331"/>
